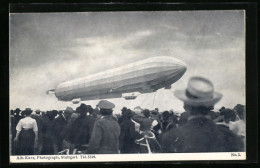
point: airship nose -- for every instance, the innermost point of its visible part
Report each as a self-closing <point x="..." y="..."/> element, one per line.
<point x="178" y="65"/>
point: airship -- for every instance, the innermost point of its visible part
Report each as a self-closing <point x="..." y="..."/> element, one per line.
<point x="140" y="77"/>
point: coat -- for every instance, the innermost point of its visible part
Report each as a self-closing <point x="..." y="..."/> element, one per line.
<point x="145" y="123"/>
<point x="105" y="136"/>
<point x="127" y="137"/>
<point x="200" y="135"/>
<point x="83" y="127"/>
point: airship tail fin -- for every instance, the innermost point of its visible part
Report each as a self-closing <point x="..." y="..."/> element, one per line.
<point x="51" y="91"/>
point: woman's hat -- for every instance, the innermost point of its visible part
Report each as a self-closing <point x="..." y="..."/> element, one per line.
<point x="27" y="111"/>
<point x="199" y="92"/>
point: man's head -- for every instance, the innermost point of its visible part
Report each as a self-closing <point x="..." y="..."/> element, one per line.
<point x="199" y="97"/>
<point x="38" y="111"/>
<point x="129" y="114"/>
<point x="90" y="109"/>
<point x="197" y="110"/>
<point x="165" y="115"/>
<point x="240" y="110"/>
<point x="17" y="111"/>
<point x="68" y="111"/>
<point x="146" y="113"/>
<point x="106" y="107"/>
<point x="123" y="110"/>
<point x="82" y="110"/>
<point x="229" y="115"/>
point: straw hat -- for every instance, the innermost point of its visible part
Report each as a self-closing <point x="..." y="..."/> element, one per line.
<point x="199" y="92"/>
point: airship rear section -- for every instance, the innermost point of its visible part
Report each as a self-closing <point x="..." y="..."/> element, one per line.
<point x="144" y="76"/>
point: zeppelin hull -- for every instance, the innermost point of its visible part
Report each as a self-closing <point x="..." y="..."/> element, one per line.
<point x="144" y="76"/>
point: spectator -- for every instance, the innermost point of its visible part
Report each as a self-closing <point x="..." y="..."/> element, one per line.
<point x="128" y="134"/>
<point x="200" y="133"/>
<point x="123" y="116"/>
<point x="106" y="131"/>
<point x="49" y="134"/>
<point x="27" y="133"/>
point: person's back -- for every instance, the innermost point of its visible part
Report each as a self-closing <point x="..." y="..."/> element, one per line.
<point x="145" y="121"/>
<point x="200" y="135"/>
<point x="127" y="137"/>
<point x="105" y="136"/>
<point x="83" y="127"/>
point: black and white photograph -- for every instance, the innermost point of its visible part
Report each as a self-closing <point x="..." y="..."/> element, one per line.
<point x="127" y="86"/>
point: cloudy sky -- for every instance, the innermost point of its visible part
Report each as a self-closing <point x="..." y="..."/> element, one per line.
<point x="49" y="48"/>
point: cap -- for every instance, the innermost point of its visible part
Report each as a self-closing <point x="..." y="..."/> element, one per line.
<point x="104" y="104"/>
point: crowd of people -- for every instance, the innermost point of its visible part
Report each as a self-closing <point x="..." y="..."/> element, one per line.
<point x="98" y="131"/>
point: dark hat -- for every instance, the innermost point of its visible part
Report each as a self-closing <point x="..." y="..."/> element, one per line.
<point x="37" y="111"/>
<point x="228" y="113"/>
<point x="199" y="92"/>
<point x="124" y="109"/>
<point x="17" y="111"/>
<point x="27" y="111"/>
<point x="146" y="112"/>
<point x="129" y="113"/>
<point x="104" y="104"/>
<point x="166" y="114"/>
<point x="89" y="109"/>
<point x="154" y="112"/>
<point x="83" y="106"/>
<point x="222" y="108"/>
<point x="239" y="107"/>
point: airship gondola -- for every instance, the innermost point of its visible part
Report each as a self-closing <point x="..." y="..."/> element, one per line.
<point x="144" y="76"/>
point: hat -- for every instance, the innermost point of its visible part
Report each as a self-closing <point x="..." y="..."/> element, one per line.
<point x="146" y="112"/>
<point x="104" y="104"/>
<point x="166" y="114"/>
<point x="69" y="109"/>
<point x="124" y="109"/>
<point x="199" y="92"/>
<point x="129" y="113"/>
<point x="27" y="111"/>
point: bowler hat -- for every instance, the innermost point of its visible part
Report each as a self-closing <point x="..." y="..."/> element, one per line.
<point x="104" y="104"/>
<point x="199" y="92"/>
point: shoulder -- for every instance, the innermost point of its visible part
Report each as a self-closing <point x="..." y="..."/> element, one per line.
<point x="99" y="121"/>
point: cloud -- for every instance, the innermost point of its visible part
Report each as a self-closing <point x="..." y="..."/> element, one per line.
<point x="46" y="49"/>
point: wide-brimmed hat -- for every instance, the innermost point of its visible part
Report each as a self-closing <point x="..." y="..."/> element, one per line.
<point x="104" y="104"/>
<point x="199" y="92"/>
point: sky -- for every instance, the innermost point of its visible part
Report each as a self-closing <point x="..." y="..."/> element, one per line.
<point x="46" y="49"/>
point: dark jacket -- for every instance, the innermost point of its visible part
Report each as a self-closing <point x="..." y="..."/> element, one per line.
<point x="200" y="135"/>
<point x="105" y="136"/>
<point x="145" y="123"/>
<point x="121" y="119"/>
<point x="60" y="122"/>
<point x="83" y="127"/>
<point x="127" y="137"/>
